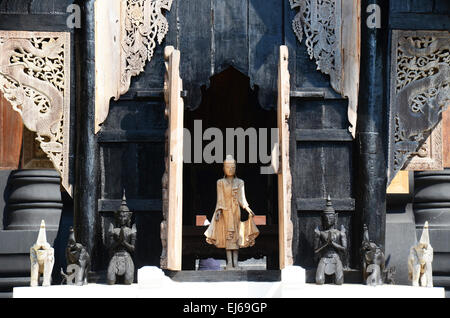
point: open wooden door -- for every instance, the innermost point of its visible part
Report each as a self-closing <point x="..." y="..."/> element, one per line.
<point x="171" y="227"/>
<point x="284" y="172"/>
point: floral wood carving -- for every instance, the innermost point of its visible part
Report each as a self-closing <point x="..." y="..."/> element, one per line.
<point x="35" y="79"/>
<point x="331" y="32"/>
<point x="126" y="32"/>
<point x="420" y="92"/>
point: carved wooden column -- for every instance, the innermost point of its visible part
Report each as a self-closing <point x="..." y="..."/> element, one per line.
<point x="87" y="154"/>
<point x="371" y="193"/>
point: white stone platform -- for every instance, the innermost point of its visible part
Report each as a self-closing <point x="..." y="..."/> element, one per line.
<point x="152" y="283"/>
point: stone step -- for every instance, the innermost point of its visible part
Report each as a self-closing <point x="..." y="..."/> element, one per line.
<point x="225" y="276"/>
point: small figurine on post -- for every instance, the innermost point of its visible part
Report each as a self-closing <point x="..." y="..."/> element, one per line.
<point x="420" y="259"/>
<point x="373" y="261"/>
<point x="123" y="239"/>
<point x="42" y="257"/>
<point x="226" y="229"/>
<point x="330" y="245"/>
<point x="78" y="262"/>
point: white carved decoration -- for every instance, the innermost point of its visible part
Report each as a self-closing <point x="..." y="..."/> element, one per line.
<point x="430" y="155"/>
<point x="35" y="79"/>
<point x="331" y="29"/>
<point x="126" y="33"/>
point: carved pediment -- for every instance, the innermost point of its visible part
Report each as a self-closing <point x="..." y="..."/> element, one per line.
<point x="331" y="32"/>
<point x="35" y="80"/>
<point x="420" y="92"/>
<point x="126" y="34"/>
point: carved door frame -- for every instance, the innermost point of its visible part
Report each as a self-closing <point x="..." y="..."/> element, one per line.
<point x="172" y="181"/>
<point x="285" y="226"/>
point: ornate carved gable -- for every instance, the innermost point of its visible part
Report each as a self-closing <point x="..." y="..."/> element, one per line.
<point x="420" y="92"/>
<point x="35" y="79"/>
<point x="331" y="32"/>
<point x="126" y="33"/>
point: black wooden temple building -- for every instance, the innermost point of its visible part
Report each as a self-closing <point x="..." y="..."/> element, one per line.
<point x="229" y="64"/>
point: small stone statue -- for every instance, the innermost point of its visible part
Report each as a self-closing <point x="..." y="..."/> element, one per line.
<point x="123" y="239"/>
<point x="420" y="259"/>
<point x="42" y="257"/>
<point x="330" y="245"/>
<point x="78" y="262"/>
<point x="373" y="261"/>
<point x="226" y="229"/>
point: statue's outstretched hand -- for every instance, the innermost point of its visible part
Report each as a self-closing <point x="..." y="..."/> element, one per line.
<point x="250" y="211"/>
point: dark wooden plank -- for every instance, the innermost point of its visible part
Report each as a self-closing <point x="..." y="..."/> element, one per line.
<point x="320" y="113"/>
<point x="43" y="6"/>
<point x="3" y="7"/>
<point x="230" y="44"/>
<point x="265" y="37"/>
<point x="34" y="22"/>
<point x="308" y="171"/>
<point x="106" y="205"/>
<point x="131" y="136"/>
<point x="195" y="45"/>
<point x="338" y="169"/>
<point x="310" y="93"/>
<point x="18" y="6"/>
<point x="150" y="94"/>
<point x="398" y="6"/>
<point x="319" y="204"/>
<point x="442" y="7"/>
<point x="135" y="167"/>
<point x="323" y="135"/>
<point x="421" y="6"/>
<point x="60" y="6"/>
<point x="414" y="21"/>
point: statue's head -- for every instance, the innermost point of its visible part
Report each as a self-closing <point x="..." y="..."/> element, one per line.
<point x="229" y="166"/>
<point x="123" y="214"/>
<point x="329" y="215"/>
<point x="71" y="241"/>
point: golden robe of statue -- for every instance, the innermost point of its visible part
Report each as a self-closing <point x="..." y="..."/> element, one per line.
<point x="226" y="229"/>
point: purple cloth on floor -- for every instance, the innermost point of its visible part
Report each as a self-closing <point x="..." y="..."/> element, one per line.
<point x="209" y="264"/>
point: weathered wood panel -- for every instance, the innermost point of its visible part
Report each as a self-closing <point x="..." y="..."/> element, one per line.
<point x="265" y="37"/>
<point x="195" y="36"/>
<point x="231" y="41"/>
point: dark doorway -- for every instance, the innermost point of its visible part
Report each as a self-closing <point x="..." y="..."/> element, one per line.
<point x="229" y="102"/>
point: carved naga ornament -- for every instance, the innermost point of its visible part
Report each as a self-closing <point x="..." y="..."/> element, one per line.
<point x="420" y="92"/>
<point x="126" y="33"/>
<point x="331" y="29"/>
<point x="35" y="80"/>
